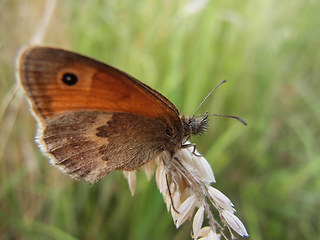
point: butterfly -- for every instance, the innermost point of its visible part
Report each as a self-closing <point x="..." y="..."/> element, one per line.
<point x="93" y="118"/>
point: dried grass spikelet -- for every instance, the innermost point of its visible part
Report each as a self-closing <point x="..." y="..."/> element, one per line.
<point x="185" y="184"/>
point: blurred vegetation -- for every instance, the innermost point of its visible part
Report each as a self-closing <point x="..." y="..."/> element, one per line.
<point x="267" y="50"/>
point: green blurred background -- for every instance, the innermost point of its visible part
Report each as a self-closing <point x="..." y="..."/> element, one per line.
<point x="268" y="51"/>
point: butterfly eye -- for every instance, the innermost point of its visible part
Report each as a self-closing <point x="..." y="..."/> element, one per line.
<point x="69" y="79"/>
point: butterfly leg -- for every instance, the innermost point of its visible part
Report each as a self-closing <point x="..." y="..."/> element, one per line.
<point x="194" y="148"/>
<point x="168" y="170"/>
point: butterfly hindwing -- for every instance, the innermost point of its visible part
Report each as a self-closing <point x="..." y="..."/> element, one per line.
<point x="89" y="144"/>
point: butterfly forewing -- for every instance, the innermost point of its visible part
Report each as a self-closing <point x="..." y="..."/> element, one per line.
<point x="98" y="87"/>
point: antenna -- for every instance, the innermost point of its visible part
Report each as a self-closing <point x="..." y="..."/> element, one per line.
<point x="226" y="116"/>
<point x="208" y="96"/>
<point x="214" y="114"/>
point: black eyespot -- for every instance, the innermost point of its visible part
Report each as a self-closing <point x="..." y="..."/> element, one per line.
<point x="69" y="79"/>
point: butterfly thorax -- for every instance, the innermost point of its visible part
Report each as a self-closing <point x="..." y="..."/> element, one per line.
<point x="194" y="125"/>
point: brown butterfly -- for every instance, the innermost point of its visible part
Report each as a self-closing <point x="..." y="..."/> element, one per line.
<point x="93" y="118"/>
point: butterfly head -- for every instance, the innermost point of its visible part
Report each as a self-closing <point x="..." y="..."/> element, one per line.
<point x="195" y="125"/>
